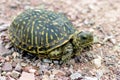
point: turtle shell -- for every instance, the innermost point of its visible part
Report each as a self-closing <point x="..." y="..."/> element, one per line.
<point x="40" y="31"/>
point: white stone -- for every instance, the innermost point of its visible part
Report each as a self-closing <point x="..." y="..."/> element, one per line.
<point x="97" y="62"/>
<point x="75" y="75"/>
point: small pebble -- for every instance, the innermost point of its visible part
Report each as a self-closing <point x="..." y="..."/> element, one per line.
<point x="4" y="51"/>
<point x="2" y="78"/>
<point x="14" y="64"/>
<point x="27" y="76"/>
<point x="15" y="54"/>
<point x="8" y="73"/>
<point x="113" y="40"/>
<point x="8" y="45"/>
<point x="75" y="75"/>
<point x="7" y="67"/>
<point x="89" y="22"/>
<point x="90" y="78"/>
<point x="2" y="1"/>
<point x="18" y="67"/>
<point x="7" y="58"/>
<point x="4" y="27"/>
<point x="47" y="61"/>
<point x="3" y="73"/>
<point x="45" y="77"/>
<point x="97" y="62"/>
<point x="37" y="73"/>
<point x="23" y="64"/>
<point x="13" y="6"/>
<point x="52" y="77"/>
<point x="32" y="70"/>
<point x="58" y="72"/>
<point x="27" y="68"/>
<point x="56" y="62"/>
<point x="10" y="78"/>
<point x="15" y="74"/>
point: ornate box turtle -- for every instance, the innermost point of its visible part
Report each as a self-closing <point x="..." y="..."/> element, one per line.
<point x="48" y="34"/>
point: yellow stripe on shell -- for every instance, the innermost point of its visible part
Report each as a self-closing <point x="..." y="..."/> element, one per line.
<point x="35" y="16"/>
<point x="59" y="44"/>
<point x="23" y="22"/>
<point x="38" y="27"/>
<point x="51" y="37"/>
<point x="29" y="40"/>
<point x="52" y="30"/>
<point x="56" y="34"/>
<point x="42" y="38"/>
<point x="21" y="33"/>
<point x="36" y="40"/>
<point x="26" y="18"/>
<point x="42" y="33"/>
<point x="46" y="38"/>
<point x="64" y="28"/>
<point x="27" y="34"/>
<point x="55" y="23"/>
<point x="32" y="30"/>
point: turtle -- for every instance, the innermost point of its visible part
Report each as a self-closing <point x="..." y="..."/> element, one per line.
<point x="48" y="34"/>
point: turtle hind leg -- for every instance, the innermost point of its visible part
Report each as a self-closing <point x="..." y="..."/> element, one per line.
<point x="67" y="52"/>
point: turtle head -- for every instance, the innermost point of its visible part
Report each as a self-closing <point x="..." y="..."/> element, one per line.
<point x="83" y="39"/>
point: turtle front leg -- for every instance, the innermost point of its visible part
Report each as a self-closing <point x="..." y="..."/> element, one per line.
<point x="67" y="52"/>
<point x="62" y="53"/>
<point x="55" y="54"/>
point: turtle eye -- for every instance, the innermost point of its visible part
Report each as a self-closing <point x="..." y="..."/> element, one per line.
<point x="84" y="37"/>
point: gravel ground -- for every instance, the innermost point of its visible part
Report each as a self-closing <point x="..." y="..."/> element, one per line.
<point x="102" y="17"/>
